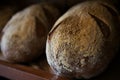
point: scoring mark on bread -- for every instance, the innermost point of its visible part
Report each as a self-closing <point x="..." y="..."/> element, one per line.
<point x="48" y="15"/>
<point x="114" y="14"/>
<point x="110" y="9"/>
<point x="52" y="31"/>
<point x="40" y="30"/>
<point x="103" y="27"/>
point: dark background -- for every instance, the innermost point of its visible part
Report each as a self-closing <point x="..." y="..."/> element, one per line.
<point x="113" y="71"/>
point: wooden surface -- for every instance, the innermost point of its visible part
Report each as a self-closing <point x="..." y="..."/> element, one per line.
<point x="20" y="72"/>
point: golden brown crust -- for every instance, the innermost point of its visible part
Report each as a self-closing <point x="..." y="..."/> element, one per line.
<point x="24" y="36"/>
<point x="83" y="41"/>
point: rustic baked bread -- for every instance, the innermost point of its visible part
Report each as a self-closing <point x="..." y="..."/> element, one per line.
<point x="24" y="36"/>
<point x="84" y="40"/>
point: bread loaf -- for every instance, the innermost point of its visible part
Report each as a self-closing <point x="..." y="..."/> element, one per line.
<point x="84" y="40"/>
<point x="24" y="36"/>
<point x="6" y="13"/>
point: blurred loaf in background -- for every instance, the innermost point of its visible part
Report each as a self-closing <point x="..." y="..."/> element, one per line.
<point x="24" y="36"/>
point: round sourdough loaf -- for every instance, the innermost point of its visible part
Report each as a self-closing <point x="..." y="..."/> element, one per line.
<point x="84" y="40"/>
<point x="24" y="36"/>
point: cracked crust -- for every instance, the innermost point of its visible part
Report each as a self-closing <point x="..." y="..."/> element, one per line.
<point x="83" y="41"/>
<point x="25" y="34"/>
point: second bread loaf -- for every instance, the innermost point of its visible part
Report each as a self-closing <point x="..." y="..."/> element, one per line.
<point x="24" y="36"/>
<point x="84" y="40"/>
